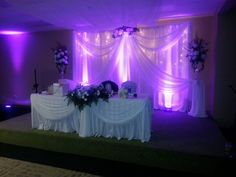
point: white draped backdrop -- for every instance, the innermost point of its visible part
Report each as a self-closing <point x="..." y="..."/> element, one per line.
<point x="154" y="58"/>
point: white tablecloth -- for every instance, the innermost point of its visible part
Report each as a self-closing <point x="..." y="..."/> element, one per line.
<point x="198" y="106"/>
<point x="120" y="118"/>
<point x="50" y="112"/>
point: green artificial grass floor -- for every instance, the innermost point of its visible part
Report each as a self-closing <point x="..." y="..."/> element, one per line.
<point x="19" y="133"/>
<point x="132" y="152"/>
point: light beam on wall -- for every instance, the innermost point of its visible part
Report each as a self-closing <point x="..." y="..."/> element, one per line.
<point x="17" y="47"/>
<point x="85" y="78"/>
<point x="123" y="57"/>
<point x="168" y="94"/>
<point x="168" y="98"/>
<point x="83" y="53"/>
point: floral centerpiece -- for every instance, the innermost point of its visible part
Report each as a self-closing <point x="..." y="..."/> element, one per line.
<point x="118" y="32"/>
<point x="197" y="53"/>
<point x="61" y="58"/>
<point x="83" y="96"/>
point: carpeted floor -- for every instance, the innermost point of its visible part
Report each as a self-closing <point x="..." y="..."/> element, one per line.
<point x="179" y="143"/>
<point x="174" y="131"/>
<point x="17" y="168"/>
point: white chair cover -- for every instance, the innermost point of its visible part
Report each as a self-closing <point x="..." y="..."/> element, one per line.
<point x="130" y="86"/>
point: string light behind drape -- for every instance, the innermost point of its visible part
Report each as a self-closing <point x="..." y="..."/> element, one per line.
<point x="154" y="58"/>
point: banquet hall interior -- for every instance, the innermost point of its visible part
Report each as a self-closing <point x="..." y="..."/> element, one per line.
<point x="117" y="88"/>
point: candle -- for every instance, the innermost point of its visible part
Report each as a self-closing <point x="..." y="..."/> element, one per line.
<point x="35" y="76"/>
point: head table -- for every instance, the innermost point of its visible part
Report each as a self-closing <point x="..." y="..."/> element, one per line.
<point x="121" y="118"/>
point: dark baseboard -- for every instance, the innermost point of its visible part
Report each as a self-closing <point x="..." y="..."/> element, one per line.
<point x="90" y="165"/>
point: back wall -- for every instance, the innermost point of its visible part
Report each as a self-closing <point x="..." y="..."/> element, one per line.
<point x="21" y="54"/>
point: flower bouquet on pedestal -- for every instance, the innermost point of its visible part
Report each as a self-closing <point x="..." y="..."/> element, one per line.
<point x="61" y="59"/>
<point x="197" y="54"/>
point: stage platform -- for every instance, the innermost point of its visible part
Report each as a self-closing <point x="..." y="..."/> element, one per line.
<point x="178" y="143"/>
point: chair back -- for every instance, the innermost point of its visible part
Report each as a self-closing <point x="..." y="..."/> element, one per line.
<point x="130" y="86"/>
<point x="110" y="86"/>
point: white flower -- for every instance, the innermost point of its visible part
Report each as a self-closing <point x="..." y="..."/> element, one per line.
<point x="60" y="55"/>
<point x="197" y="53"/>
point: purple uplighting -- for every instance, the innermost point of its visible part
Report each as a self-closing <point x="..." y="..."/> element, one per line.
<point x="85" y="71"/>
<point x="8" y="32"/>
<point x="7" y="106"/>
<point x="123" y="57"/>
<point x="17" y="46"/>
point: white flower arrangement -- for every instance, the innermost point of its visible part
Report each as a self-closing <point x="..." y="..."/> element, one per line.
<point x="83" y="96"/>
<point x="197" y="53"/>
<point x="60" y="55"/>
<point x="61" y="58"/>
<point x="118" y="32"/>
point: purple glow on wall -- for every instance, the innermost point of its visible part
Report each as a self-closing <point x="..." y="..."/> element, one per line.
<point x="168" y="99"/>
<point x="76" y="54"/>
<point x="121" y="61"/>
<point x="85" y="79"/>
<point x="166" y="96"/>
<point x="168" y="93"/>
<point x="81" y="74"/>
<point x="17" y="47"/>
<point x="123" y="58"/>
<point x="8" y="32"/>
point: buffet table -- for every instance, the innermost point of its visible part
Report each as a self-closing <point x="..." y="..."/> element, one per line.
<point x="121" y="118"/>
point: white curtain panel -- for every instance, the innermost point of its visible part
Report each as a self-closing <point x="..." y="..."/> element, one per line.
<point x="153" y="57"/>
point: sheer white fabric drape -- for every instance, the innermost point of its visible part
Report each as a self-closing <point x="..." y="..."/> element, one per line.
<point x="154" y="58"/>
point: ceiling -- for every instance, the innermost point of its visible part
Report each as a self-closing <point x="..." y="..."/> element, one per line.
<point x="97" y="15"/>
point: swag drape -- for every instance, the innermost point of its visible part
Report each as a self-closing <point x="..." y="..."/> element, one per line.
<point x="154" y="58"/>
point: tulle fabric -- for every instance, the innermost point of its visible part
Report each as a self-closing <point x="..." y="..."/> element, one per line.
<point x="154" y="58"/>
